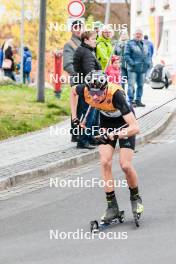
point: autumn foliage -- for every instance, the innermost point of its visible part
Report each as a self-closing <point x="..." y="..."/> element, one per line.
<point x="10" y="26"/>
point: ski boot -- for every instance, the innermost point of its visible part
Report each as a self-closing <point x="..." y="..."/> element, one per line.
<point x="112" y="213"/>
<point x="137" y="208"/>
<point x="112" y="216"/>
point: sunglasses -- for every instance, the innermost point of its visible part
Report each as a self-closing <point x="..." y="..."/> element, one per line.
<point x="98" y="92"/>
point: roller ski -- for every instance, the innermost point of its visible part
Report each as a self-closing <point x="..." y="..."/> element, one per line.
<point x="96" y="227"/>
<point x="137" y="208"/>
<point x="112" y="216"/>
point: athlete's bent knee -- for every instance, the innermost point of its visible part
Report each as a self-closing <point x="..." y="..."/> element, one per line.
<point x="126" y="166"/>
<point x="106" y="163"/>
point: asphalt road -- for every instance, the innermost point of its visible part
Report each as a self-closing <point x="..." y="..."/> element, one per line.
<point x="30" y="212"/>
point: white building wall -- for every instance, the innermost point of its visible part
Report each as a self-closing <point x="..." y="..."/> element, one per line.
<point x="142" y="21"/>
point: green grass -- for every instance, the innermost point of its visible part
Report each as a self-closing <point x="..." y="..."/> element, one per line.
<point x="20" y="113"/>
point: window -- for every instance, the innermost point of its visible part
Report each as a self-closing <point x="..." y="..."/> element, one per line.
<point x="166" y="41"/>
<point x="139" y="7"/>
<point x="152" y="5"/>
<point x="166" y="4"/>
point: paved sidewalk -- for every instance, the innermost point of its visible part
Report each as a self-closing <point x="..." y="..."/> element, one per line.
<point x="36" y="153"/>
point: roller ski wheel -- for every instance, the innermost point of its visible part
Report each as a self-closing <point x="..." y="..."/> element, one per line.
<point x="137" y="209"/>
<point x="121" y="217"/>
<point x="96" y="227"/>
<point x="136" y="218"/>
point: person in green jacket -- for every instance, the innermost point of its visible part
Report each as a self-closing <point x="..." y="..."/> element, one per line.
<point x="104" y="46"/>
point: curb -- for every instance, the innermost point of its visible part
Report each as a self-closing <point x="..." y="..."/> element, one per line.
<point x="80" y="159"/>
<point x="156" y="130"/>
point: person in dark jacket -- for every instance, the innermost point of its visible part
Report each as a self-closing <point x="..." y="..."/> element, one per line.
<point x="138" y="62"/>
<point x="85" y="61"/>
<point x="150" y="46"/>
<point x="8" y="61"/>
<point x="27" y="65"/>
<point x="151" y="52"/>
<point x="68" y="53"/>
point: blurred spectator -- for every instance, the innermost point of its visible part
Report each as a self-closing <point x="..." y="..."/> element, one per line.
<point x="17" y="73"/>
<point x="138" y="62"/>
<point x="84" y="58"/>
<point x="68" y="53"/>
<point x="151" y="52"/>
<point x="120" y="48"/>
<point x="1" y="57"/>
<point x="8" y="61"/>
<point x="1" y="61"/>
<point x="113" y="71"/>
<point x="160" y="76"/>
<point x="27" y="65"/>
<point x="104" y="46"/>
<point x="84" y="62"/>
<point x="97" y="26"/>
<point x="71" y="46"/>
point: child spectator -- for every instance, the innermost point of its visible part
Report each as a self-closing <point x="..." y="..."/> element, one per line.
<point x="27" y="65"/>
<point x="113" y="71"/>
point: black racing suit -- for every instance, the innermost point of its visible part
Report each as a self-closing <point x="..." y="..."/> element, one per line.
<point x="112" y="120"/>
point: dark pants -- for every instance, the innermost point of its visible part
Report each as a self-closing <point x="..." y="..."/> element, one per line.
<point x="124" y="73"/>
<point x="135" y="78"/>
<point x="92" y="120"/>
<point x="9" y="73"/>
<point x="26" y="77"/>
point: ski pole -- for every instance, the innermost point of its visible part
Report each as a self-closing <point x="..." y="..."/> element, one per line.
<point x="145" y="114"/>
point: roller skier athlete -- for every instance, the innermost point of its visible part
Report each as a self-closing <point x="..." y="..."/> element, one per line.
<point x="115" y="112"/>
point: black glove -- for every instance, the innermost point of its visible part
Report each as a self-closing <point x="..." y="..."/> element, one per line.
<point x="75" y="122"/>
<point x="102" y="139"/>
